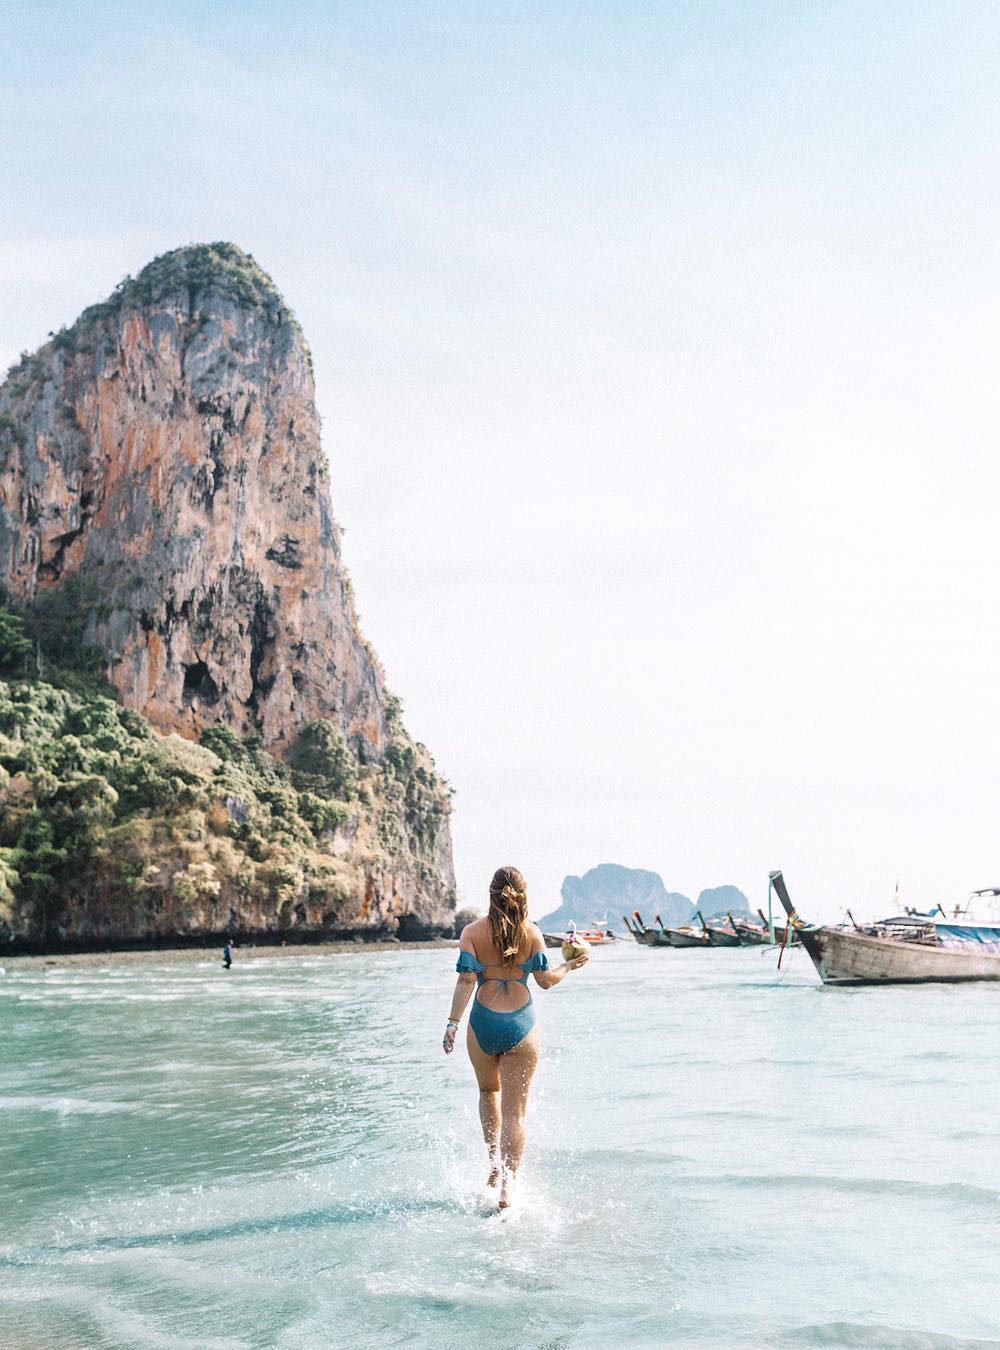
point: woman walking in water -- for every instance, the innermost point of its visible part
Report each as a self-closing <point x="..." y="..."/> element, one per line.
<point x="498" y="953"/>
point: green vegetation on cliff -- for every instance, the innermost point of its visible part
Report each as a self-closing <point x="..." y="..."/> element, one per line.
<point x="107" y="826"/>
<point x="190" y="271"/>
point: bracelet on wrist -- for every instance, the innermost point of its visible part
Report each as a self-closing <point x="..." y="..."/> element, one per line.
<point x="452" y="1022"/>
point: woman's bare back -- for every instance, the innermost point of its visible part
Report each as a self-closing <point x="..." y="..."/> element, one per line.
<point x="501" y="997"/>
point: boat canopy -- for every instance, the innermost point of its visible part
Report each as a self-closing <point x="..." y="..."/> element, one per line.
<point x="982" y="907"/>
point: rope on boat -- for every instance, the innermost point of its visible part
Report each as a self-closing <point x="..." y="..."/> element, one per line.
<point x="800" y="926"/>
<point x="784" y="939"/>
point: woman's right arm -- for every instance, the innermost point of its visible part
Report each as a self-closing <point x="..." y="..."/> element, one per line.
<point x="548" y="979"/>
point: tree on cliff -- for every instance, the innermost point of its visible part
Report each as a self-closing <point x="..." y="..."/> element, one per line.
<point x="15" y="645"/>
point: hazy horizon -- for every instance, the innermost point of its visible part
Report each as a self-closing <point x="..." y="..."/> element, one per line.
<point x="653" y="353"/>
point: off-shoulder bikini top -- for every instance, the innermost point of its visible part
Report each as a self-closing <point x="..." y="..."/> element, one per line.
<point x="467" y="963"/>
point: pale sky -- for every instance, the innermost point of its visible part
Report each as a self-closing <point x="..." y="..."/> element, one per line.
<point x="655" y="346"/>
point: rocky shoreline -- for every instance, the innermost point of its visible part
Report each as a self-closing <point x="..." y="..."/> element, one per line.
<point x="241" y="955"/>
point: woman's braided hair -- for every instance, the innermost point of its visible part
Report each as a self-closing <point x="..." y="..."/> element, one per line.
<point x="508" y="917"/>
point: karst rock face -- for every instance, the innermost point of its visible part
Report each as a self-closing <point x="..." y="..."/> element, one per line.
<point x="161" y="461"/>
<point x="610" y="890"/>
<point x="168" y="452"/>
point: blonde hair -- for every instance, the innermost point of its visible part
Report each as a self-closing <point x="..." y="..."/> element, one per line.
<point x="508" y="916"/>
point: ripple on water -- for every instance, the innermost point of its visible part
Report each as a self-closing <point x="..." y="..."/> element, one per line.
<point x="856" y="1334"/>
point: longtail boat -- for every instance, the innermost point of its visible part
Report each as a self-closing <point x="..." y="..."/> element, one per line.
<point x="719" y="936"/>
<point x="751" y="934"/>
<point x="649" y="937"/>
<point x="664" y="936"/>
<point x="636" y="929"/>
<point x="722" y="937"/>
<point x="595" y="936"/>
<point x="906" y="949"/>
<point x="679" y="937"/>
<point x="686" y="937"/>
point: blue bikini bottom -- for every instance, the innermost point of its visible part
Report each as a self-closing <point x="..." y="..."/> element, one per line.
<point x="498" y="1032"/>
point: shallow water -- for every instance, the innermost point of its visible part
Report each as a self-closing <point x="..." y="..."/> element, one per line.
<point x="282" y="1156"/>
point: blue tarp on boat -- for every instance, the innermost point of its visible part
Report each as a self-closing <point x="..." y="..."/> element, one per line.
<point x="985" y="938"/>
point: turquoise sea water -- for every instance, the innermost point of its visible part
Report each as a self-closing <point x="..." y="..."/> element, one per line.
<point x="282" y="1156"/>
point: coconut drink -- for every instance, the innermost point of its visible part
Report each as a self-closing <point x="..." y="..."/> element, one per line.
<point x="574" y="945"/>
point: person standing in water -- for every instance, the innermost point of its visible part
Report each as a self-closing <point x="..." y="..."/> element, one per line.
<point x="227" y="954"/>
<point x="498" y="953"/>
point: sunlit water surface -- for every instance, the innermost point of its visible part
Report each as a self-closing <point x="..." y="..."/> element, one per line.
<point x="282" y="1156"/>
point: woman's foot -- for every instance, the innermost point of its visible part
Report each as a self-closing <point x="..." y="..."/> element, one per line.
<point x="493" y="1178"/>
<point x="507" y="1190"/>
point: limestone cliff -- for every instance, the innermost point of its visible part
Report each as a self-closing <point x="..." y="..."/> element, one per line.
<point x="718" y="901"/>
<point x="166" y="448"/>
<point x="162" y="480"/>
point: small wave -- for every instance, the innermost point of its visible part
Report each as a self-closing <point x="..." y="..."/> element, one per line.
<point x="632" y="1159"/>
<point x="955" y="1191"/>
<point x="727" y="1113"/>
<point x="250" y="1226"/>
<point x="849" y="1335"/>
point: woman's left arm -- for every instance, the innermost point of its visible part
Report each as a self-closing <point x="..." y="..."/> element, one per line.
<point x="464" y="986"/>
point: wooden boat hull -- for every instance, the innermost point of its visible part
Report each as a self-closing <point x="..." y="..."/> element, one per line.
<point x="843" y="957"/>
<point x="717" y="937"/>
<point x="675" y="938"/>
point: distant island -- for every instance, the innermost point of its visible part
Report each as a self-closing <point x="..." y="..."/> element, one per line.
<point x="608" y="891"/>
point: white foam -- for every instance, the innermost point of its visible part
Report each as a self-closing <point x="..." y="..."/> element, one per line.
<point x="69" y="1106"/>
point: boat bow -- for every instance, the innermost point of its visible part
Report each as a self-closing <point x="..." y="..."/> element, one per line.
<point x="845" y="956"/>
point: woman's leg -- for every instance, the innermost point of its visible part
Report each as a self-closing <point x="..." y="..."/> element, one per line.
<point x="488" y="1076"/>
<point x="517" y="1067"/>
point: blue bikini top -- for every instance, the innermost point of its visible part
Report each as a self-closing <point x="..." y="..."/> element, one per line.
<point x="469" y="964"/>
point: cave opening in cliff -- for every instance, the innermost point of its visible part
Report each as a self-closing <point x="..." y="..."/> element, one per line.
<point x="198" y="683"/>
